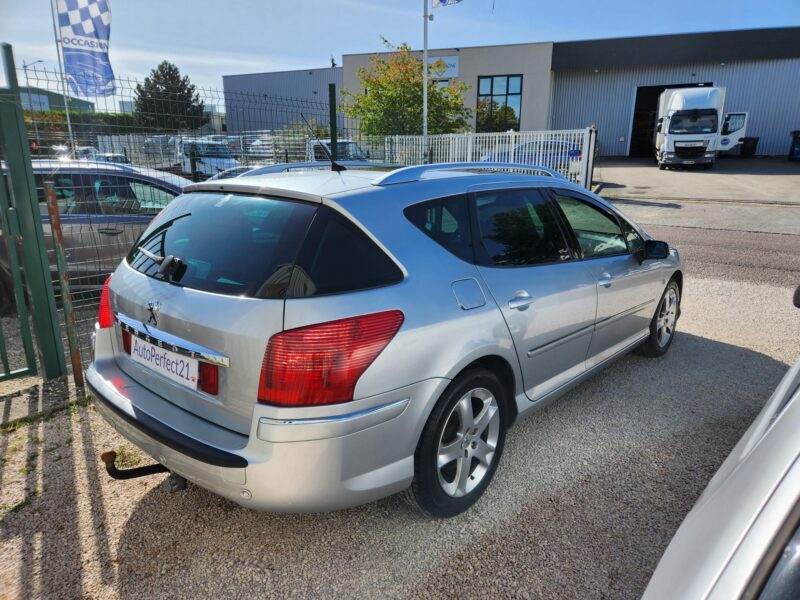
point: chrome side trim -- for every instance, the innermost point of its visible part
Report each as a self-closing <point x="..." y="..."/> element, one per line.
<point x="624" y="313"/>
<point x="562" y="340"/>
<point x="165" y="340"/>
<point x="383" y="408"/>
<point x="415" y="173"/>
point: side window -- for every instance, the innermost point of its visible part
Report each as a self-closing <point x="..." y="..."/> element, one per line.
<point x="634" y="240"/>
<point x="597" y="231"/>
<point x="113" y="194"/>
<point x="70" y="193"/>
<point x="338" y="257"/>
<point x="446" y="222"/>
<point x="151" y="198"/>
<point x="517" y="228"/>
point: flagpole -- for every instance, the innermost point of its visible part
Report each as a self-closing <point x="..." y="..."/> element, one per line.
<point x="425" y="83"/>
<point x="61" y="72"/>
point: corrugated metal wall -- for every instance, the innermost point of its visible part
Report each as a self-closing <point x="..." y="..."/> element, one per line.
<point x="246" y="109"/>
<point x="769" y="90"/>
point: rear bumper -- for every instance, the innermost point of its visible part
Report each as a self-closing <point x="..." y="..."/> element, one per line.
<point x="299" y="460"/>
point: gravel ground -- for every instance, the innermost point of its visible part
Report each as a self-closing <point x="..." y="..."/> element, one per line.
<point x="587" y="497"/>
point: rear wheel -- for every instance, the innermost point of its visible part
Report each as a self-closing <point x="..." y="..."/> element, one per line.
<point x="662" y="327"/>
<point x="461" y="445"/>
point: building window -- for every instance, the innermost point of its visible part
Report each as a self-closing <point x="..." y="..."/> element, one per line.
<point x="499" y="103"/>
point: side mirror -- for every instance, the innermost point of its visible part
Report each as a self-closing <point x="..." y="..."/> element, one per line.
<point x="655" y="250"/>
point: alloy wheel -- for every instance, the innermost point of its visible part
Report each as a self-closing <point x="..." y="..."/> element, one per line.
<point x="667" y="315"/>
<point x="467" y="443"/>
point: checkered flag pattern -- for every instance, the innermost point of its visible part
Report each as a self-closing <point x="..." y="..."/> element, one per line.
<point x="84" y="18"/>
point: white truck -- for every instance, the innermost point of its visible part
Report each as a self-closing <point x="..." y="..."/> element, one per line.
<point x="211" y="156"/>
<point x="688" y="128"/>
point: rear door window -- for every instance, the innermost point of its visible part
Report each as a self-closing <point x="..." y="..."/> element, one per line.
<point x="517" y="228"/>
<point x="446" y="222"/>
<point x="338" y="257"/>
<point x="230" y="244"/>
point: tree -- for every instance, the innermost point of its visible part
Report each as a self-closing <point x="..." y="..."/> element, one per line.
<point x="168" y="101"/>
<point x="392" y="104"/>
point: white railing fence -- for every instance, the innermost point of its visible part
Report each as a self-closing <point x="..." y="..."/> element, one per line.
<point x="570" y="152"/>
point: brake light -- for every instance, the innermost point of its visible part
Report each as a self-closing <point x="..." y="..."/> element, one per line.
<point x="105" y="318"/>
<point x="321" y="364"/>
<point x="208" y="376"/>
<point x="126" y="341"/>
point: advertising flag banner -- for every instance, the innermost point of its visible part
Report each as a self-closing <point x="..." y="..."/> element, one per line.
<point x="84" y="29"/>
<point x="439" y="3"/>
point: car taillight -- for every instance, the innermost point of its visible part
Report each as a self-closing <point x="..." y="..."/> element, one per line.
<point x="126" y="341"/>
<point x="321" y="364"/>
<point x="105" y="318"/>
<point x="208" y="378"/>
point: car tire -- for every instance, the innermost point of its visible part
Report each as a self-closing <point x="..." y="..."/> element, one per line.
<point x="444" y="488"/>
<point x="661" y="166"/>
<point x="7" y="303"/>
<point x="662" y="326"/>
<point x="708" y="166"/>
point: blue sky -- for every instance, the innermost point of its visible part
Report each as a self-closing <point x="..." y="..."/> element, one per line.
<point x="208" y="39"/>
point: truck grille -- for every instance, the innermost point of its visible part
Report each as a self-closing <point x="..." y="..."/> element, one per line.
<point x="690" y="152"/>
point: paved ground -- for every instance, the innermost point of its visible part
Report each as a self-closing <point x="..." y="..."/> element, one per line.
<point x="586" y="499"/>
<point x="742" y="180"/>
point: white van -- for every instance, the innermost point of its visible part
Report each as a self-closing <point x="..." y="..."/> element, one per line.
<point x="212" y="157"/>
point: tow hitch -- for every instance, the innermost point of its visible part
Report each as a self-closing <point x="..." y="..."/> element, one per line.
<point x="110" y="457"/>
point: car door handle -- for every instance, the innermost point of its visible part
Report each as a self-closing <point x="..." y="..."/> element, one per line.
<point x="605" y="280"/>
<point x="521" y="301"/>
<point x="109" y="231"/>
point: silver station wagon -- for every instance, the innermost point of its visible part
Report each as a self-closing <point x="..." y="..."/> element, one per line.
<point x="310" y="341"/>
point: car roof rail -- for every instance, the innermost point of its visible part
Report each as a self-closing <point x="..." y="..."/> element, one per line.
<point x="319" y="164"/>
<point x="415" y="173"/>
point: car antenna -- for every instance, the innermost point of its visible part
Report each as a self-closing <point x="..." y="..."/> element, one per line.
<point x="334" y="165"/>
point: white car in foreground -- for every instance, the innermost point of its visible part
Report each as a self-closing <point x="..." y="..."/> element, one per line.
<point x="742" y="538"/>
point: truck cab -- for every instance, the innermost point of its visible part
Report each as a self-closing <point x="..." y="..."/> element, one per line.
<point x="691" y="129"/>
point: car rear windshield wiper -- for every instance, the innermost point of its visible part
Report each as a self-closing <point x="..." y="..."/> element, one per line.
<point x="171" y="268"/>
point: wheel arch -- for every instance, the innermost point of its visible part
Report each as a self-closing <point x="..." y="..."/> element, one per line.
<point x="505" y="373"/>
<point x="678" y="277"/>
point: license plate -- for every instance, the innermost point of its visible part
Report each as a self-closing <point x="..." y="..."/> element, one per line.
<point x="688" y="162"/>
<point x="173" y="366"/>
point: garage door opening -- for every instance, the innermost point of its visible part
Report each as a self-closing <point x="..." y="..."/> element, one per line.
<point x="644" y="116"/>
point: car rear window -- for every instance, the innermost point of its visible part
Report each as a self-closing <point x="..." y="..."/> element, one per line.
<point x="445" y="221"/>
<point x="338" y="257"/>
<point x="230" y="244"/>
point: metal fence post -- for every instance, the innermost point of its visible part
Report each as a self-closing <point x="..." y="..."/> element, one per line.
<point x="23" y="188"/>
<point x="66" y="295"/>
<point x="332" y="111"/>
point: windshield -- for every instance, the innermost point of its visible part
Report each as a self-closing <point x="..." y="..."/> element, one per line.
<point x="225" y="243"/>
<point x="210" y="150"/>
<point x="694" y="121"/>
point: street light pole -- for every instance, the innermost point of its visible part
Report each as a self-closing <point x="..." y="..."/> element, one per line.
<point x="426" y="17"/>
<point x="30" y="97"/>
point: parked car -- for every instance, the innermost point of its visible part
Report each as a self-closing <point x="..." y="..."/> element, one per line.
<point x="103" y="208"/>
<point x="159" y="145"/>
<point x="110" y="157"/>
<point x="211" y="157"/>
<point x="742" y="538"/>
<point x="308" y="342"/>
<point x="233" y="172"/>
<point x="346" y="150"/>
<point x="260" y="148"/>
<point x="553" y="153"/>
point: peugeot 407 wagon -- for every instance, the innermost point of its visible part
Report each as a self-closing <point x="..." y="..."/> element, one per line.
<point x="311" y="341"/>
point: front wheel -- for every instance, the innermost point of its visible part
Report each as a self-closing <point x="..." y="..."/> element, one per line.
<point x="662" y="327"/>
<point x="661" y="166"/>
<point x="460" y="446"/>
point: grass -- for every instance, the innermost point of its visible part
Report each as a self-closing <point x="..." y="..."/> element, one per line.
<point x="127" y="457"/>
